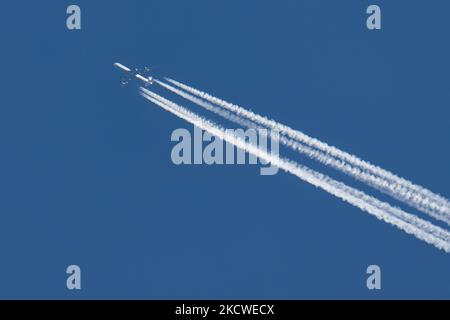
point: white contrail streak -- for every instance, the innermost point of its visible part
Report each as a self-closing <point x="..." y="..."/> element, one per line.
<point x="401" y="189"/>
<point x="377" y="182"/>
<point x="409" y="223"/>
<point x="372" y="200"/>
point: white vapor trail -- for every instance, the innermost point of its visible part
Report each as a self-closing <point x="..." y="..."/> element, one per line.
<point x="409" y="223"/>
<point x="377" y="182"/>
<point x="385" y="181"/>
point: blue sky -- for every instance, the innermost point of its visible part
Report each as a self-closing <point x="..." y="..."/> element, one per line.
<point x="86" y="176"/>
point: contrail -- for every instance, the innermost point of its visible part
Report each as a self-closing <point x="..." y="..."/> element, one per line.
<point x="383" y="185"/>
<point x="409" y="223"/>
<point x="400" y="188"/>
<point x="374" y="201"/>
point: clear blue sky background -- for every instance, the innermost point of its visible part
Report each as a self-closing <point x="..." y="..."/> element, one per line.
<point x="85" y="170"/>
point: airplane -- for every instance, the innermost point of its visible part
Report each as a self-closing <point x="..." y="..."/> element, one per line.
<point x="146" y="80"/>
